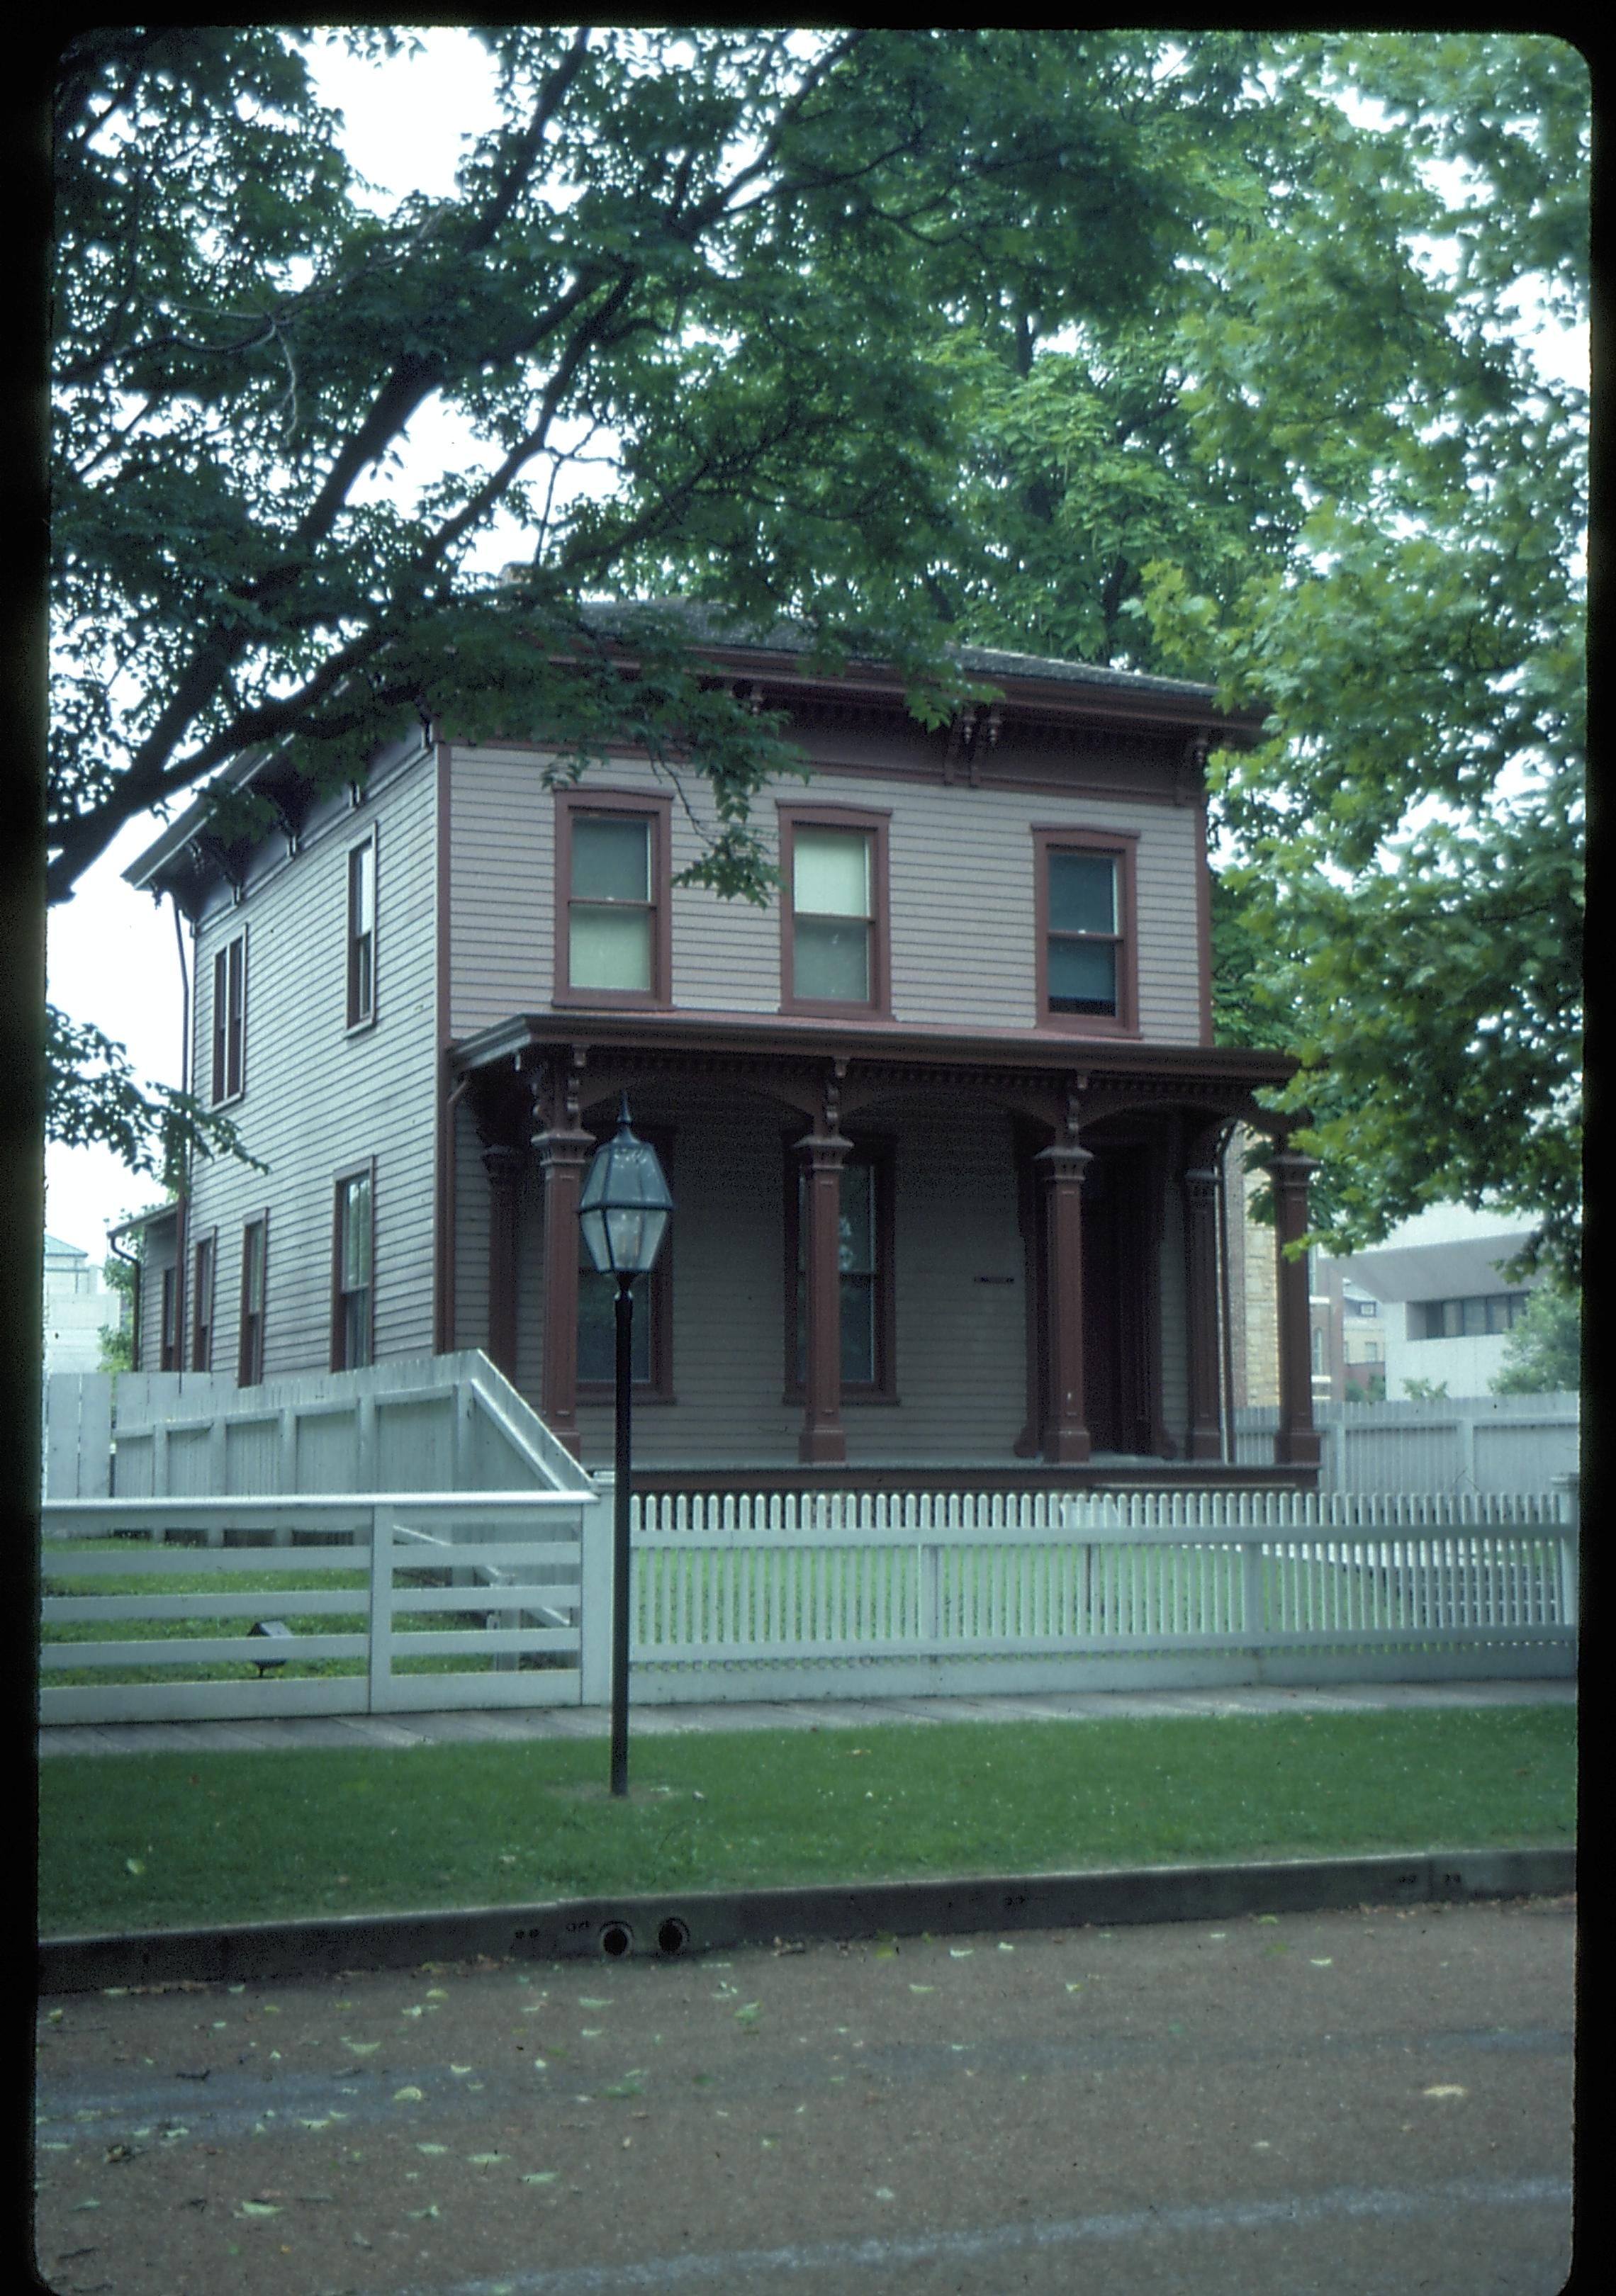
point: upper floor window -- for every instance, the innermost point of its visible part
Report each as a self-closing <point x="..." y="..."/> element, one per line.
<point x="612" y="899"/>
<point x="1086" y="937"/>
<point x="230" y="1019"/>
<point x="1473" y="1318"/>
<point x="833" y="911"/>
<point x="353" y="1260"/>
<point x="255" y="1239"/>
<point x="362" y="933"/>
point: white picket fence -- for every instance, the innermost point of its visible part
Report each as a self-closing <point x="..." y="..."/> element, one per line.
<point x="787" y="1596"/>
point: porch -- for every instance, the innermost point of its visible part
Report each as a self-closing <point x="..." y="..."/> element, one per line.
<point x="895" y="1263"/>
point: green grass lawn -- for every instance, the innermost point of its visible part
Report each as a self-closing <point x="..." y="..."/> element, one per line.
<point x="153" y="1840"/>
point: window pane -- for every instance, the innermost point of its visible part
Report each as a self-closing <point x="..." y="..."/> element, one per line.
<point x="1082" y="976"/>
<point x="830" y="872"/>
<point x="1082" y="893"/>
<point x="597" y="1327"/>
<point x="252" y="1270"/>
<point x="356" y="1234"/>
<point x="362" y="889"/>
<point x="859" y="1331"/>
<point x="857" y="1252"/>
<point x="831" y="961"/>
<point x="609" y="948"/>
<point x="611" y="857"/>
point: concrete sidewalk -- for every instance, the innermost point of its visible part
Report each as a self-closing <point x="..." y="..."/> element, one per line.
<point x="508" y="1727"/>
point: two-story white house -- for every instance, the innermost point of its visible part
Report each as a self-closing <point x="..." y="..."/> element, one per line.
<point x="967" y="1049"/>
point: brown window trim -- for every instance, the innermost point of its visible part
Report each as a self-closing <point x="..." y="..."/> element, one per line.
<point x="876" y="824"/>
<point x="204" y="1286"/>
<point x="168" y="1333"/>
<point x="361" y="1016"/>
<point x="250" y="1360"/>
<point x="649" y="805"/>
<point x="659" y="1387"/>
<point x="878" y="1153"/>
<point x="227" y="1021"/>
<point x="1122" y="846"/>
<point x="338" y="1333"/>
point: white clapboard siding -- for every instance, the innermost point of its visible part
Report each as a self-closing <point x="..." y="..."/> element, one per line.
<point x="320" y="1100"/>
<point x="953" y="851"/>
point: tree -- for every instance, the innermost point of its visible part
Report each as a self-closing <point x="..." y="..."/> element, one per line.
<point x="685" y="302"/>
<point x="1324" y="471"/>
<point x="1543" y="1355"/>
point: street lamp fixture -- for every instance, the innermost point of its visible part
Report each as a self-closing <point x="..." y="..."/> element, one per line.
<point x="623" y="1213"/>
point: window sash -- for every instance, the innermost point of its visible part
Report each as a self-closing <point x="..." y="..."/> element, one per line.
<point x="833" y="911"/>
<point x="362" y="932"/>
<point x="229" y="1017"/>
<point x="863" y="1279"/>
<point x="254" y="1255"/>
<point x="356" y="1260"/>
<point x="201" y="1325"/>
<point x="611" y="919"/>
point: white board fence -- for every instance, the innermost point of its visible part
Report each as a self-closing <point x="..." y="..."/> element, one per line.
<point x="790" y="1595"/>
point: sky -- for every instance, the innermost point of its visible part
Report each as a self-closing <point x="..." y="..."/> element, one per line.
<point x="111" y="952"/>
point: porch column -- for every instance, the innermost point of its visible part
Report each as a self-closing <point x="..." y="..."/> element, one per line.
<point x="504" y="1166"/>
<point x="1200" y="1304"/>
<point x="562" y="1158"/>
<point x="1296" y="1444"/>
<point x="1066" y="1438"/>
<point x="823" y="1439"/>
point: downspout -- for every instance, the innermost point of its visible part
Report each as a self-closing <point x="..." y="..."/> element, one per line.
<point x="443" y="1338"/>
<point x="182" y="1191"/>
<point x="1224" y="1140"/>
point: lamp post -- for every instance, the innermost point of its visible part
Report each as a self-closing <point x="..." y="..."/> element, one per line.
<point x="623" y="1213"/>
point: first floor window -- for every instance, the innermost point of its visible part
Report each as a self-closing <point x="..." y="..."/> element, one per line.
<point x="864" y="1258"/>
<point x="352" y="1321"/>
<point x="201" y="1307"/>
<point x="254" y="1252"/>
<point x="167" y="1346"/>
<point x="230" y="1019"/>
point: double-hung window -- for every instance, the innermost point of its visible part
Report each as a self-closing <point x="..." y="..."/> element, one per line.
<point x="833" y="911"/>
<point x="865" y="1262"/>
<point x="1087" y="970"/>
<point x="249" y="1364"/>
<point x="362" y="933"/>
<point x="230" y="1019"/>
<point x="612" y="899"/>
<point x="202" y="1305"/>
<point x="353" y="1261"/>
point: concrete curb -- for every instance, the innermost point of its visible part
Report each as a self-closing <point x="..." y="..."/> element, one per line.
<point x="698" y="1921"/>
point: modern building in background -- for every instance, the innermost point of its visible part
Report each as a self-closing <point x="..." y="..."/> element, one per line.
<point x="77" y="1309"/>
<point x="1446" y="1305"/>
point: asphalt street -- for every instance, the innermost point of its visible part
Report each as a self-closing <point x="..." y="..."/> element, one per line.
<point x="1325" y="2103"/>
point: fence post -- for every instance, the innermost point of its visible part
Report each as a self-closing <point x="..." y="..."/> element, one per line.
<point x="381" y="1608"/>
<point x="595" y="1593"/>
<point x="1252" y="1620"/>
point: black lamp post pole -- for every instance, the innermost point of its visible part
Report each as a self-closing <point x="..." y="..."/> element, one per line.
<point x="621" y="1548"/>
